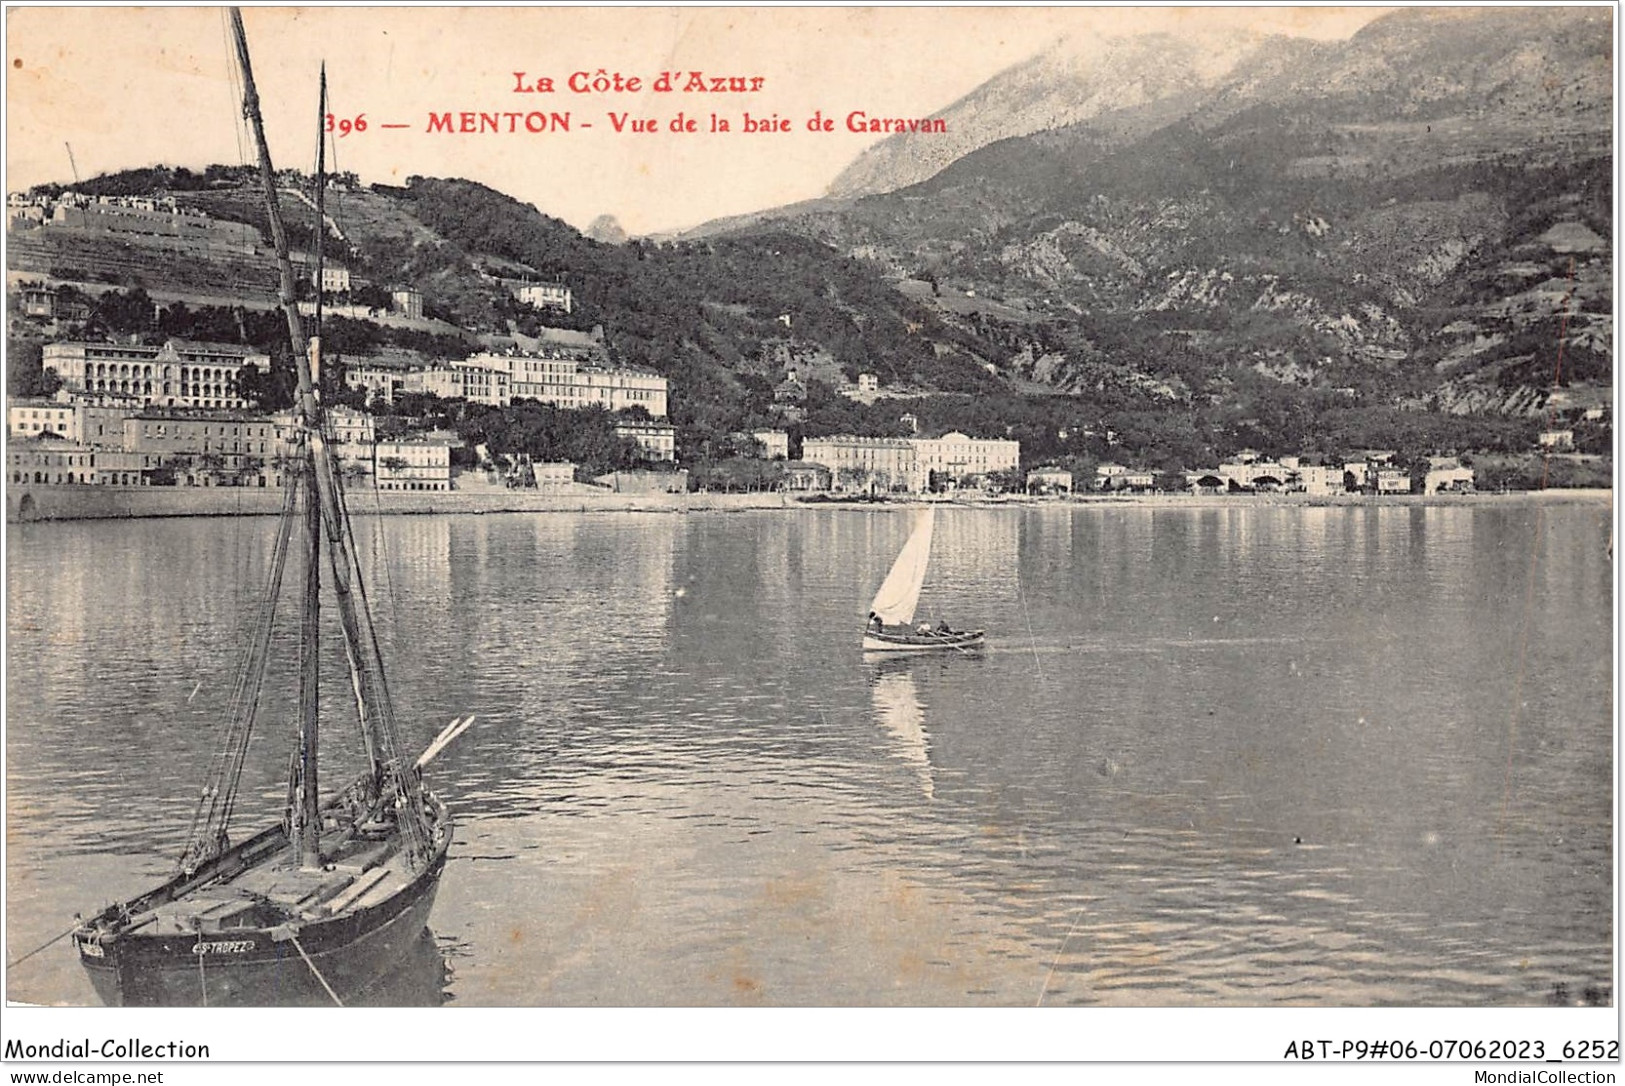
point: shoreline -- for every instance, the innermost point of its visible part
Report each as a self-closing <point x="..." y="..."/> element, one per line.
<point x="53" y="503"/>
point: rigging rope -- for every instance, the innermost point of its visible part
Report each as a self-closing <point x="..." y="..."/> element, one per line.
<point x="367" y="677"/>
<point x="236" y="90"/>
<point x="207" y="836"/>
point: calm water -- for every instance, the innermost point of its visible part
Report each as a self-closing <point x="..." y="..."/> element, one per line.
<point x="1246" y="756"/>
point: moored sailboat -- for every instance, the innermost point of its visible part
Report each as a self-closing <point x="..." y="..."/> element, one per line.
<point x="890" y="627"/>
<point x="338" y="893"/>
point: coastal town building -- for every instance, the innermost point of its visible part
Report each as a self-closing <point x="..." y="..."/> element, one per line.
<point x="774" y="444"/>
<point x="554" y="475"/>
<point x="912" y="464"/>
<point x="792" y="390"/>
<point x="169" y="432"/>
<point x="34" y="417"/>
<point x="471" y="380"/>
<point x="1319" y="480"/>
<point x="1117" y="477"/>
<point x="54" y="303"/>
<point x="1556" y="440"/>
<point x="24" y="216"/>
<point x="801" y="476"/>
<point x="115" y="467"/>
<point x="1252" y="471"/>
<point x="381" y="384"/>
<point x="95" y="419"/>
<point x="1393" y="481"/>
<point x="955" y="459"/>
<point x="415" y="463"/>
<point x="407" y="302"/>
<point x="1049" y="481"/>
<point x="551" y="376"/>
<point x="873" y="464"/>
<point x="114" y="438"/>
<point x="617" y="389"/>
<point x="655" y="440"/>
<point x="353" y="436"/>
<point x="50" y="461"/>
<point x="545" y="296"/>
<point x="1447" y="475"/>
<point x="179" y="373"/>
<point x="866" y="389"/>
<point x="204" y="448"/>
<point x="335" y="279"/>
<point x="38" y="301"/>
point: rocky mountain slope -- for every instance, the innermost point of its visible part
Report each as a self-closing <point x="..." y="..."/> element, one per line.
<point x="1419" y="215"/>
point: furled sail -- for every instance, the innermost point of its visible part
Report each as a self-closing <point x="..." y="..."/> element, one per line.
<point x="899" y="594"/>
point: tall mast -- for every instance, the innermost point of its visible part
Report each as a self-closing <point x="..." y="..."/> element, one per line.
<point x="321" y="217"/>
<point x="390" y="773"/>
<point x="305" y="820"/>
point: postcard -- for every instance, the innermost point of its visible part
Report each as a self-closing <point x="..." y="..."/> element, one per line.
<point x="883" y="533"/>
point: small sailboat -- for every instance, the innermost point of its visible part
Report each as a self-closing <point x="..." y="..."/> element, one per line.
<point x="337" y="894"/>
<point x="891" y="627"/>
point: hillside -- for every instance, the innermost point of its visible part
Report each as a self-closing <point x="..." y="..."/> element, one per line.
<point x="724" y="320"/>
<point x="1403" y="239"/>
<point x="1415" y="216"/>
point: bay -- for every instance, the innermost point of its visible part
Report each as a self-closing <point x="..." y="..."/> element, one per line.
<point x="1240" y="756"/>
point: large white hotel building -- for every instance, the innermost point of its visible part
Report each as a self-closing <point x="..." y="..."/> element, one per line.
<point x="499" y="379"/>
<point x="178" y="374"/>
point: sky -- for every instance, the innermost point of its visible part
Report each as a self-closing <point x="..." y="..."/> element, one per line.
<point x="127" y="86"/>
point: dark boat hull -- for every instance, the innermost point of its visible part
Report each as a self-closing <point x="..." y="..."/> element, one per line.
<point x="264" y="967"/>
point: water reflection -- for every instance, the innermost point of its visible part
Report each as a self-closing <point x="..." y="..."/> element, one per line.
<point x="422" y="979"/>
<point x="1219" y="755"/>
<point x="898" y="708"/>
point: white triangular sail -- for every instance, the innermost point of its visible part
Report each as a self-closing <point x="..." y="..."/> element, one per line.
<point x="899" y="594"/>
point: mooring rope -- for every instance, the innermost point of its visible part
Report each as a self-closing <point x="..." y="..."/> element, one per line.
<point x="49" y="942"/>
<point x="314" y="970"/>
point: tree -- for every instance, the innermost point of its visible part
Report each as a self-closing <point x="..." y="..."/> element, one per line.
<point x="1007" y="480"/>
<point x="123" y="312"/>
<point x="850" y="478"/>
<point x="25" y="374"/>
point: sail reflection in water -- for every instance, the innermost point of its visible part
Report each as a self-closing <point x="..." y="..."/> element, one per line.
<point x="898" y="708"/>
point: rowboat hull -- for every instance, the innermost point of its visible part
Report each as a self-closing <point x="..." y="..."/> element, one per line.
<point x="922" y="642"/>
<point x="264" y="966"/>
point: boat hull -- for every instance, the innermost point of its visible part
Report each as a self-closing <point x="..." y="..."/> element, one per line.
<point x="918" y="642"/>
<point x="264" y="967"/>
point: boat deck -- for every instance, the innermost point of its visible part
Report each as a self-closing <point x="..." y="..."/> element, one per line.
<point x="356" y="873"/>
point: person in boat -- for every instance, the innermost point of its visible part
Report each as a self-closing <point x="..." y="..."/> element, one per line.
<point x="875" y="623"/>
<point x="944" y="629"/>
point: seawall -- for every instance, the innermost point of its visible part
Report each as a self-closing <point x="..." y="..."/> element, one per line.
<point x="36" y="503"/>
